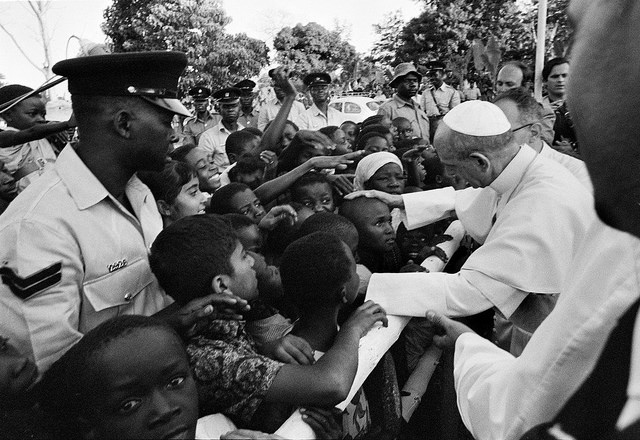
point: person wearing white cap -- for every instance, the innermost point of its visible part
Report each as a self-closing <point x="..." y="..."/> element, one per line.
<point x="530" y="215"/>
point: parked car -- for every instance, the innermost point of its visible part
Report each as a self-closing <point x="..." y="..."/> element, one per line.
<point x="356" y="108"/>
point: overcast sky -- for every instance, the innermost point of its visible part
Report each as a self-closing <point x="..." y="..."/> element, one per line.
<point x="257" y="18"/>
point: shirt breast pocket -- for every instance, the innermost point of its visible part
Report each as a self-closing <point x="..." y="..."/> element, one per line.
<point x="114" y="293"/>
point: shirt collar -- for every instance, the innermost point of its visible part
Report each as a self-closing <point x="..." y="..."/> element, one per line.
<point x="509" y="178"/>
<point x="401" y="102"/>
<point x="84" y="188"/>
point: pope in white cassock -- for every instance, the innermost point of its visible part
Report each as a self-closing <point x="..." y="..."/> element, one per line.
<point x="529" y="213"/>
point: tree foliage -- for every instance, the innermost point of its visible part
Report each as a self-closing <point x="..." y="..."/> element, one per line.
<point x="389" y="32"/>
<point x="311" y="47"/>
<point x="450" y="30"/>
<point x="195" y="27"/>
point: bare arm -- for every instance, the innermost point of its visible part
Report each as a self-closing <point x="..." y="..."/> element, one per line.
<point x="328" y="381"/>
<point x="268" y="191"/>
<point x="272" y="135"/>
<point x="10" y="138"/>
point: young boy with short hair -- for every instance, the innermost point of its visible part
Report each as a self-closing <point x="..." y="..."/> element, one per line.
<point x="200" y="255"/>
<point x="377" y="246"/>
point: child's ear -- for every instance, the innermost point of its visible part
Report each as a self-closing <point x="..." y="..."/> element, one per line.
<point x="220" y="283"/>
<point x="342" y="295"/>
<point x="163" y="207"/>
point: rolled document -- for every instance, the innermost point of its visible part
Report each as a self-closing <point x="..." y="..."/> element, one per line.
<point x="376" y="343"/>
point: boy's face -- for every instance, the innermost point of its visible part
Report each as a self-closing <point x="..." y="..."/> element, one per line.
<point x="27" y="114"/>
<point x="242" y="282"/>
<point x="208" y="174"/>
<point x="190" y="201"/>
<point x="353" y="283"/>
<point x="318" y="197"/>
<point x="250" y="238"/>
<point x="389" y="178"/>
<point x="246" y="203"/>
<point x="404" y="130"/>
<point x="350" y="132"/>
<point x="374" y="227"/>
<point x="145" y="388"/>
<point x="287" y="135"/>
<point x="252" y="180"/>
<point x="376" y="144"/>
<point x="414" y="241"/>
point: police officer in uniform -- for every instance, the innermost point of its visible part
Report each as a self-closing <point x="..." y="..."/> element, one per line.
<point x="203" y="119"/>
<point x="439" y="97"/>
<point x="75" y="243"/>
<point x="320" y="114"/>
<point x="248" y="114"/>
<point x="214" y="139"/>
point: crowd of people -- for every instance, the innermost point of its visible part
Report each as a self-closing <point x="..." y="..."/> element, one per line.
<point x="169" y="273"/>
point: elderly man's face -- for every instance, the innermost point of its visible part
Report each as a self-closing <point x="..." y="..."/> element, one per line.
<point x="509" y="78"/>
<point x="466" y="169"/>
<point x="604" y="98"/>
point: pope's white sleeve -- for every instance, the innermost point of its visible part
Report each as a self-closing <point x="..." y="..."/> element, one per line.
<point x="484" y="387"/>
<point x="426" y="207"/>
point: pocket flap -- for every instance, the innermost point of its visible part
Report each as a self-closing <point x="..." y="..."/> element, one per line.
<point x="120" y="287"/>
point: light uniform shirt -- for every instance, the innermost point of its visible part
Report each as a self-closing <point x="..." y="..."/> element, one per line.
<point x="82" y="255"/>
<point x="501" y="396"/>
<point x="194" y="127"/>
<point x="313" y="119"/>
<point x="398" y="107"/>
<point x="446" y="98"/>
<point x="529" y="239"/>
<point x="269" y="111"/>
<point x="250" y="119"/>
<point x="213" y="141"/>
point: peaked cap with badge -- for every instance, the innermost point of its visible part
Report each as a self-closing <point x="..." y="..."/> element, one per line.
<point x="317" y="79"/>
<point x="245" y="84"/>
<point x="199" y="92"/>
<point x="153" y="76"/>
<point x="228" y="95"/>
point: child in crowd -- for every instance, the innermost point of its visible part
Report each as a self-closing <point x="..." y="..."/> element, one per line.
<point x="8" y="190"/>
<point x="238" y="198"/>
<point x="24" y="149"/>
<point x="305" y="145"/>
<point x="338" y="137"/>
<point x="314" y="191"/>
<point x="249" y="170"/>
<point x="202" y="162"/>
<point x="377" y="246"/>
<point x="176" y="190"/>
<point x="200" y="255"/>
<point x="130" y="378"/>
<point x="240" y="143"/>
<point x="381" y="130"/>
<point x="319" y="277"/>
<point x="403" y="128"/>
<point x="288" y="133"/>
<point x="382" y="171"/>
<point x="372" y="142"/>
<point x="351" y="131"/>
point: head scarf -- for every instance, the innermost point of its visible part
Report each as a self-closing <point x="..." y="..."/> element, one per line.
<point x="368" y="166"/>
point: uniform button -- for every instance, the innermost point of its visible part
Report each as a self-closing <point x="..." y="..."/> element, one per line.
<point x="127" y="297"/>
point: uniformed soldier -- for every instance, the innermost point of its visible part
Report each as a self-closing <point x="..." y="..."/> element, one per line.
<point x="248" y="115"/>
<point x="320" y="114"/>
<point x="203" y="119"/>
<point x="213" y="140"/>
<point x="439" y="97"/>
<point x="75" y="242"/>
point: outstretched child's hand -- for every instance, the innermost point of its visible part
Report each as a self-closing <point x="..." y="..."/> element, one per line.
<point x="215" y="306"/>
<point x="290" y="349"/>
<point x="277" y="215"/>
<point x="337" y="162"/>
<point x="364" y="318"/>
<point x="326" y="423"/>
